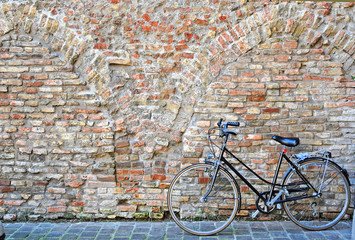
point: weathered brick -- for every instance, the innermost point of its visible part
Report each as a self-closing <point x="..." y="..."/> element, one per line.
<point x="182" y="73"/>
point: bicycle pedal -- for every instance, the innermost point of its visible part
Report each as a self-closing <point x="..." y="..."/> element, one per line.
<point x="255" y="214"/>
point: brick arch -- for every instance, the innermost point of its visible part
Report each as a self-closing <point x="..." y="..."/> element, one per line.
<point x="315" y="106"/>
<point x="309" y="28"/>
<point x="291" y="28"/>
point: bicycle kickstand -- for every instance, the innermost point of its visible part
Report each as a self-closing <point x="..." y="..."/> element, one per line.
<point x="255" y="214"/>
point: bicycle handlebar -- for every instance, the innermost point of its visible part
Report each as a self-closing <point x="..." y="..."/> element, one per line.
<point x="234" y="124"/>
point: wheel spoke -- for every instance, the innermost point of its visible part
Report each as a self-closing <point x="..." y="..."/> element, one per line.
<point x="215" y="192"/>
<point x="318" y="212"/>
<point x="330" y="181"/>
<point x="191" y="211"/>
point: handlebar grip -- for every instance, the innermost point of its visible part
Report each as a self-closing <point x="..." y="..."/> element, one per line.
<point x="219" y="122"/>
<point x="235" y="124"/>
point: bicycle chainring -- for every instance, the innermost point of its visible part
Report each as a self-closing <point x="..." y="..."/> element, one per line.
<point x="261" y="205"/>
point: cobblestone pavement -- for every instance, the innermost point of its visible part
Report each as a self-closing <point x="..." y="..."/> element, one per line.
<point x="168" y="231"/>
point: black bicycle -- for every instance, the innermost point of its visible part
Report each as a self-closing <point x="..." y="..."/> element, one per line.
<point x="204" y="198"/>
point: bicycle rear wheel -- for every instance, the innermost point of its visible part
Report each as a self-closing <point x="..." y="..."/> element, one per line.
<point x="191" y="212"/>
<point x="326" y="210"/>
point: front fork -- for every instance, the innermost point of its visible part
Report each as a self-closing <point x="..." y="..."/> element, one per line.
<point x="216" y="165"/>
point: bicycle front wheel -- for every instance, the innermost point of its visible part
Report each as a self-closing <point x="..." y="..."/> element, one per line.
<point x="321" y="209"/>
<point x="191" y="211"/>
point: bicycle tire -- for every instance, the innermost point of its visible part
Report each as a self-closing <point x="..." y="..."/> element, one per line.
<point x="317" y="213"/>
<point x="194" y="215"/>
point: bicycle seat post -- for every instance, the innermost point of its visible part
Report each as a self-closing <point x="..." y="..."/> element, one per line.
<point x="282" y="153"/>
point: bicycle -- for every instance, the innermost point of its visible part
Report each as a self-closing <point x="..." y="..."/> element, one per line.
<point x="204" y="198"/>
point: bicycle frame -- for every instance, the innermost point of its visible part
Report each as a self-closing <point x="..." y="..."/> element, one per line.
<point x="221" y="159"/>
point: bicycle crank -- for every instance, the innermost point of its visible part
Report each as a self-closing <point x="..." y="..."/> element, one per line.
<point x="262" y="206"/>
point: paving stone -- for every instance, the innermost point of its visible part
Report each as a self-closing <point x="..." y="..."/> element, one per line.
<point x="103" y="237"/>
<point x="157" y="232"/>
<point x="122" y="234"/>
<point x="20" y="235"/>
<point x="107" y="231"/>
<point x="155" y="238"/>
<point x="35" y="237"/>
<point x="69" y="236"/>
<point x="298" y="237"/>
<point x="138" y="236"/>
<point x="244" y="238"/>
<point x="170" y="231"/>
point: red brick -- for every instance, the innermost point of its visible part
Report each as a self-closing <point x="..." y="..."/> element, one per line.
<point x="26" y="77"/>
<point x="256" y="98"/>
<point x="181" y="47"/>
<point x="88" y="111"/>
<point x="283" y="58"/>
<point x="289" y="25"/>
<point x="146" y="17"/>
<point x="317" y="78"/>
<point x="239" y="111"/>
<point x="57" y="209"/>
<point x="126" y="208"/>
<point x="74" y="184"/>
<point x="270" y="110"/>
<point x="101" y="46"/>
<point x="33" y="84"/>
<point x="146" y="28"/>
<point x="18" y="116"/>
<point x="239" y="92"/>
<point x="290" y="44"/>
<point x="7" y="189"/>
<point x="201" y="22"/>
<point x="271" y="162"/>
<point x="5" y="183"/>
<point x="106" y="178"/>
<point x="187" y="55"/>
<point x="123" y="172"/>
<point x="239" y="31"/>
<point x="223" y="42"/>
<point x="78" y="203"/>
<point x="288" y="85"/>
<point x="31" y="90"/>
<point x="101" y="130"/>
<point x="132" y="190"/>
<point x="7" y="96"/>
<point x="25" y="129"/>
<point x="248" y="74"/>
<point x="40" y="183"/>
<point x="14" y="202"/>
<point x="4" y="116"/>
<point x="158" y="177"/>
<point x="122" y="144"/>
<point x="254" y="137"/>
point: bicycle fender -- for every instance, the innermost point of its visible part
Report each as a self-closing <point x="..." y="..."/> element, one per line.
<point x="239" y="194"/>
<point x="231" y="176"/>
<point x="344" y="171"/>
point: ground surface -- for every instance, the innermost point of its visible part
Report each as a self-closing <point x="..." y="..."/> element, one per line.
<point x="168" y="230"/>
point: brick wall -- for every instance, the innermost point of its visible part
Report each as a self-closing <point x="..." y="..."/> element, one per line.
<point x="101" y="103"/>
